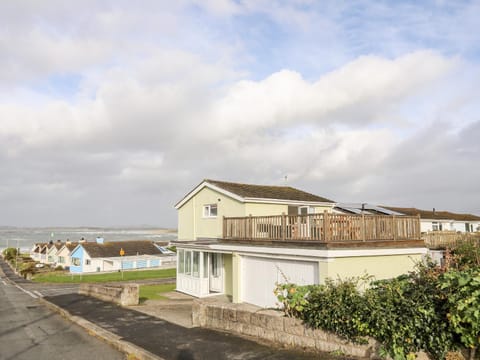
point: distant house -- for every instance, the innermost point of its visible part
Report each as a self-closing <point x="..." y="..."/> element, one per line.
<point x="63" y="254"/>
<point x="433" y="220"/>
<point x="35" y="251"/>
<point x="43" y="252"/>
<point x="90" y="257"/>
<point x="242" y="239"/>
<point x="52" y="252"/>
<point x="430" y="220"/>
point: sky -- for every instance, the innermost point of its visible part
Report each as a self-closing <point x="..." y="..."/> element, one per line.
<point x="111" y="111"/>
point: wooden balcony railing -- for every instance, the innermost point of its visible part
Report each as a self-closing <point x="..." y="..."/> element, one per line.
<point x="324" y="227"/>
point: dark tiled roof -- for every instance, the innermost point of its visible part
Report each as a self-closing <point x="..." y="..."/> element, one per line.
<point x="429" y="214"/>
<point x="39" y="246"/>
<point x="267" y="192"/>
<point x="71" y="246"/>
<point x="112" y="249"/>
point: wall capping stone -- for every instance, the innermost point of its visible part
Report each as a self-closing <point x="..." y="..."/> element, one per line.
<point x="273" y="326"/>
<point x="123" y="294"/>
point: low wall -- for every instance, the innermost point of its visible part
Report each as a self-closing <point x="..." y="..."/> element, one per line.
<point x="273" y="326"/>
<point x="124" y="295"/>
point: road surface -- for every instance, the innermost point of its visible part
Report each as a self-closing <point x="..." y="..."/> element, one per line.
<point x="28" y="330"/>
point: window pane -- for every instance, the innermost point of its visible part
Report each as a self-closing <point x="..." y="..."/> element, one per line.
<point x="206" y="210"/>
<point x="213" y="210"/>
<point x="181" y="261"/>
<point x="205" y="265"/>
<point x="215" y="264"/>
<point x="188" y="262"/>
<point x="196" y="263"/>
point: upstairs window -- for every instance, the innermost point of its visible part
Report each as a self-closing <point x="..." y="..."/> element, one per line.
<point x="436" y="226"/>
<point x="210" y="210"/>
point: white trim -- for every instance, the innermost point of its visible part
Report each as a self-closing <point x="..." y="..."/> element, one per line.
<point x="297" y="253"/>
<point x="210" y="186"/>
<point x="309" y="253"/>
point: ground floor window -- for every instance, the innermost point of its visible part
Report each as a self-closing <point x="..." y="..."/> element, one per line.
<point x="189" y="262"/>
<point x="75" y="261"/>
<point x="61" y="260"/>
<point x="196" y="264"/>
<point x="181" y="261"/>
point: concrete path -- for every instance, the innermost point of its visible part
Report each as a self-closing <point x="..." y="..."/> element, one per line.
<point x="176" y="308"/>
<point x="168" y="340"/>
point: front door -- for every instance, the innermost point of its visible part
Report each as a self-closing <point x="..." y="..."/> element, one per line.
<point x="216" y="273"/>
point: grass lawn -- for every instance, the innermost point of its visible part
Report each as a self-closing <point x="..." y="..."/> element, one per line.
<point x="62" y="277"/>
<point x="154" y="292"/>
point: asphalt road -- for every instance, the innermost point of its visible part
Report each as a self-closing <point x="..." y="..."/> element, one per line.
<point x="28" y="330"/>
<point x="37" y="289"/>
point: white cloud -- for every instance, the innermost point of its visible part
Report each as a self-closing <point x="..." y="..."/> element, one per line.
<point x="356" y="93"/>
<point x="156" y="102"/>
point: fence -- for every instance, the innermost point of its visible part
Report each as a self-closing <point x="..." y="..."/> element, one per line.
<point x="444" y="239"/>
<point x="324" y="227"/>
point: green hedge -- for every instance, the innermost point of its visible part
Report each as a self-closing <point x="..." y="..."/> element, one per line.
<point x="431" y="309"/>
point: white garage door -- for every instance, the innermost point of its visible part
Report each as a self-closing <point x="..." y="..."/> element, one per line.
<point x="259" y="276"/>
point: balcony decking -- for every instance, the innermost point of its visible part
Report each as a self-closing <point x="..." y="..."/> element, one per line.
<point x="325" y="229"/>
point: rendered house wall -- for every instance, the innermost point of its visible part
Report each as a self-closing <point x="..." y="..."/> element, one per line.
<point x="381" y="267"/>
<point x="227" y="268"/>
<point x="191" y="221"/>
<point x="77" y="253"/>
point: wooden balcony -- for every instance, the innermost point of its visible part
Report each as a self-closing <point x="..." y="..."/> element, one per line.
<point x="325" y="228"/>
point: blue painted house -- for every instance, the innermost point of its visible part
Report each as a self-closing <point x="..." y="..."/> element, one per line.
<point x="89" y="257"/>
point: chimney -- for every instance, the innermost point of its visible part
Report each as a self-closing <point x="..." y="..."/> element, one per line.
<point x="433" y="212"/>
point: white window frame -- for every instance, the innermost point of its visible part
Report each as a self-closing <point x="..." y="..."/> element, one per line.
<point x="437" y="226"/>
<point x="207" y="210"/>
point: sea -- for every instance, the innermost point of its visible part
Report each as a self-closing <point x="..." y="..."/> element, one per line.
<point x="24" y="238"/>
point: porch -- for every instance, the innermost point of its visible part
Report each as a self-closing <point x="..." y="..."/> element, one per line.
<point x="331" y="230"/>
<point x="202" y="273"/>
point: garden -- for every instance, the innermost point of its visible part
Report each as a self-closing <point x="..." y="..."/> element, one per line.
<point x="435" y="309"/>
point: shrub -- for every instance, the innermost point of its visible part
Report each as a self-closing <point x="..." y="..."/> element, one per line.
<point x="338" y="307"/>
<point x="466" y="255"/>
<point x="27" y="267"/>
<point x="462" y="292"/>
<point x="292" y="298"/>
<point x="430" y="309"/>
<point x="407" y="314"/>
<point x="9" y="253"/>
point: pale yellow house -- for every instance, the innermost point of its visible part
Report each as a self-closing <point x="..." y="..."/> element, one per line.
<point x="241" y="239"/>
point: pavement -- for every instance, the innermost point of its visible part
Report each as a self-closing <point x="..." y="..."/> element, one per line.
<point x="162" y="330"/>
<point x="151" y="337"/>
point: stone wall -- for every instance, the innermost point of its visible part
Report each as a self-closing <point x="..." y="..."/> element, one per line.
<point x="124" y="295"/>
<point x="273" y="326"/>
